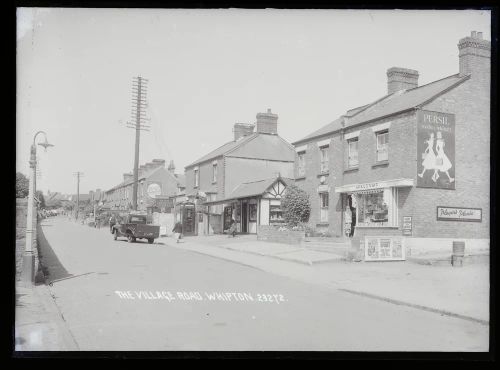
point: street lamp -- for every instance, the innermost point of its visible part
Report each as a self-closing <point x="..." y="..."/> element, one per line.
<point x="28" y="256"/>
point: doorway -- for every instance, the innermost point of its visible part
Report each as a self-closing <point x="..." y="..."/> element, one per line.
<point x="244" y="217"/>
<point x="188" y="220"/>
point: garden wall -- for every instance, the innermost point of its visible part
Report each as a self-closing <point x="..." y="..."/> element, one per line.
<point x="275" y="235"/>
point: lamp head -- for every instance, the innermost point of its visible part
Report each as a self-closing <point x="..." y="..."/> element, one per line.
<point x="45" y="144"/>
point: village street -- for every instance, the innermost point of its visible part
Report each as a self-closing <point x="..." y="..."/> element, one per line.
<point x="96" y="284"/>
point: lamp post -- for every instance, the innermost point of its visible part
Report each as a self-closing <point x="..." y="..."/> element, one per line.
<point x="28" y="256"/>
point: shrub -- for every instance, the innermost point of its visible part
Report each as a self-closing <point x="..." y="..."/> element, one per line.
<point x="296" y="206"/>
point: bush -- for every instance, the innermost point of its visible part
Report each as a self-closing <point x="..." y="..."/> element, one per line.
<point x="296" y="207"/>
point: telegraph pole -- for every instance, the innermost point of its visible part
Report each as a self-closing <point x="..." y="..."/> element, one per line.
<point x="78" y="176"/>
<point x="139" y="105"/>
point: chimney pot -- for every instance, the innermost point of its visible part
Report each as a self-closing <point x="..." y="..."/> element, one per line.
<point x="473" y="34"/>
<point x="479" y="35"/>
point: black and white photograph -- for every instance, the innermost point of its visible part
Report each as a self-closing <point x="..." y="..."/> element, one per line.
<point x="252" y="180"/>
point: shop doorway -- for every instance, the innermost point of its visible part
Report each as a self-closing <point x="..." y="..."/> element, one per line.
<point x="349" y="215"/>
<point x="244" y="218"/>
<point x="352" y="205"/>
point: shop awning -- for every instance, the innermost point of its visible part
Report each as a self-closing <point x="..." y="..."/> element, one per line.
<point x="373" y="186"/>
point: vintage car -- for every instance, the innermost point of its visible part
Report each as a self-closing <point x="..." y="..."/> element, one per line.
<point x="134" y="226"/>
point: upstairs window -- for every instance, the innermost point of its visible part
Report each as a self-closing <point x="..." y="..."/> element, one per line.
<point x="301" y="164"/>
<point x="382" y="146"/>
<point x="352" y="155"/>
<point x="323" y="159"/>
<point x="196" y="177"/>
<point x="214" y="172"/>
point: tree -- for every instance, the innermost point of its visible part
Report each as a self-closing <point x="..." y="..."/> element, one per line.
<point x="39" y="196"/>
<point x="22" y="185"/>
<point x="295" y="205"/>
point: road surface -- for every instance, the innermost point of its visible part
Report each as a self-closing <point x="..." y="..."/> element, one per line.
<point x="115" y="295"/>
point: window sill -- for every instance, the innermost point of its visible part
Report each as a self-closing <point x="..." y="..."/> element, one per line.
<point x="351" y="169"/>
<point x="300" y="178"/>
<point x="323" y="174"/>
<point x="381" y="164"/>
<point x="214" y="182"/>
<point x="323" y="224"/>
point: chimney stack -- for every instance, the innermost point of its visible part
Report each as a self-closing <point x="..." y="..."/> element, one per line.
<point x="267" y="123"/>
<point x="159" y="163"/>
<point x="474" y="55"/>
<point x="171" y="167"/>
<point x="142" y="169"/>
<point x="242" y="129"/>
<point x="401" y="79"/>
<point x="128" y="176"/>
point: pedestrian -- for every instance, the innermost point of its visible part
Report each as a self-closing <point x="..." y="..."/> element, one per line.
<point x="232" y="228"/>
<point x="112" y="222"/>
<point x="177" y="230"/>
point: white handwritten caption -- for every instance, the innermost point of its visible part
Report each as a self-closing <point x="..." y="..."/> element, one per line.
<point x="197" y="296"/>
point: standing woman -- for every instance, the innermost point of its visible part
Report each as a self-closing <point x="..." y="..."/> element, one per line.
<point x="443" y="164"/>
<point x="429" y="157"/>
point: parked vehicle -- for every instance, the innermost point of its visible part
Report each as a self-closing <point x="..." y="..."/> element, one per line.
<point x="133" y="227"/>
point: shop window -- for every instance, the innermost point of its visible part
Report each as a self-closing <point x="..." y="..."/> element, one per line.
<point x="275" y="214"/>
<point x="377" y="208"/>
<point x="302" y="164"/>
<point x="323" y="207"/>
<point x="382" y="146"/>
<point x="252" y="212"/>
<point x="324" y="159"/>
<point x="352" y="155"/>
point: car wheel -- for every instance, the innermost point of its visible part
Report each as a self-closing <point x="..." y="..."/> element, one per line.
<point x="150" y="241"/>
<point x="115" y="235"/>
<point x="130" y="238"/>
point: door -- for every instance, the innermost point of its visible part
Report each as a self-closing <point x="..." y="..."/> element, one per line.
<point x="228" y="215"/>
<point x="244" y="218"/>
<point x="188" y="219"/>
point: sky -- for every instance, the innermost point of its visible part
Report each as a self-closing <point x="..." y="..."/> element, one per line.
<point x="207" y="69"/>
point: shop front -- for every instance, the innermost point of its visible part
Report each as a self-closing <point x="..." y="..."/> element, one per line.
<point x="371" y="217"/>
<point x="253" y="204"/>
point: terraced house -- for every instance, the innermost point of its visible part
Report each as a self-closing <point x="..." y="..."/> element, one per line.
<point x="243" y="180"/>
<point x="409" y="170"/>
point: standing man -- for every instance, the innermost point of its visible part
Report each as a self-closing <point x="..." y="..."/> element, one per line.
<point x="177" y="230"/>
<point x="112" y="222"/>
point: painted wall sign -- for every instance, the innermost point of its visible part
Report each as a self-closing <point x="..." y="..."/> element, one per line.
<point x="435" y="150"/>
<point x="459" y="214"/>
<point x="407" y="225"/>
<point x="388" y="248"/>
<point x="153" y="190"/>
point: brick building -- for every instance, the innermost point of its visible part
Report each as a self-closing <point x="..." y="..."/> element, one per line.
<point x="155" y="182"/>
<point x="413" y="164"/>
<point x="232" y="180"/>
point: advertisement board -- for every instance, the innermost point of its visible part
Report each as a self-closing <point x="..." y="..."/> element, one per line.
<point x="435" y="150"/>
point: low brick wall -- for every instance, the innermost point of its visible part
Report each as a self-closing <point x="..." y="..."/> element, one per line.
<point x="274" y="235"/>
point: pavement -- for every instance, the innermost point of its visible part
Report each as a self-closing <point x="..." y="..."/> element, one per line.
<point x="330" y="305"/>
<point x="455" y="291"/>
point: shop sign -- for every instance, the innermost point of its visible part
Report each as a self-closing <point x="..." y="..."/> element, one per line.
<point x="459" y="214"/>
<point x="407" y="225"/>
<point x="435" y="150"/>
<point x="388" y="248"/>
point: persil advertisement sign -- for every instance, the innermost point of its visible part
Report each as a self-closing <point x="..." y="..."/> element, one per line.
<point x="435" y="150"/>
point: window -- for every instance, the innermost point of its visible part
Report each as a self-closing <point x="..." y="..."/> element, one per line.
<point x="214" y="172"/>
<point x="252" y="212"/>
<point x="377" y="208"/>
<point x="324" y="159"/>
<point x="196" y="178"/>
<point x="352" y="156"/>
<point x="323" y="206"/>
<point x="275" y="214"/>
<point x="301" y="164"/>
<point x="382" y="146"/>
